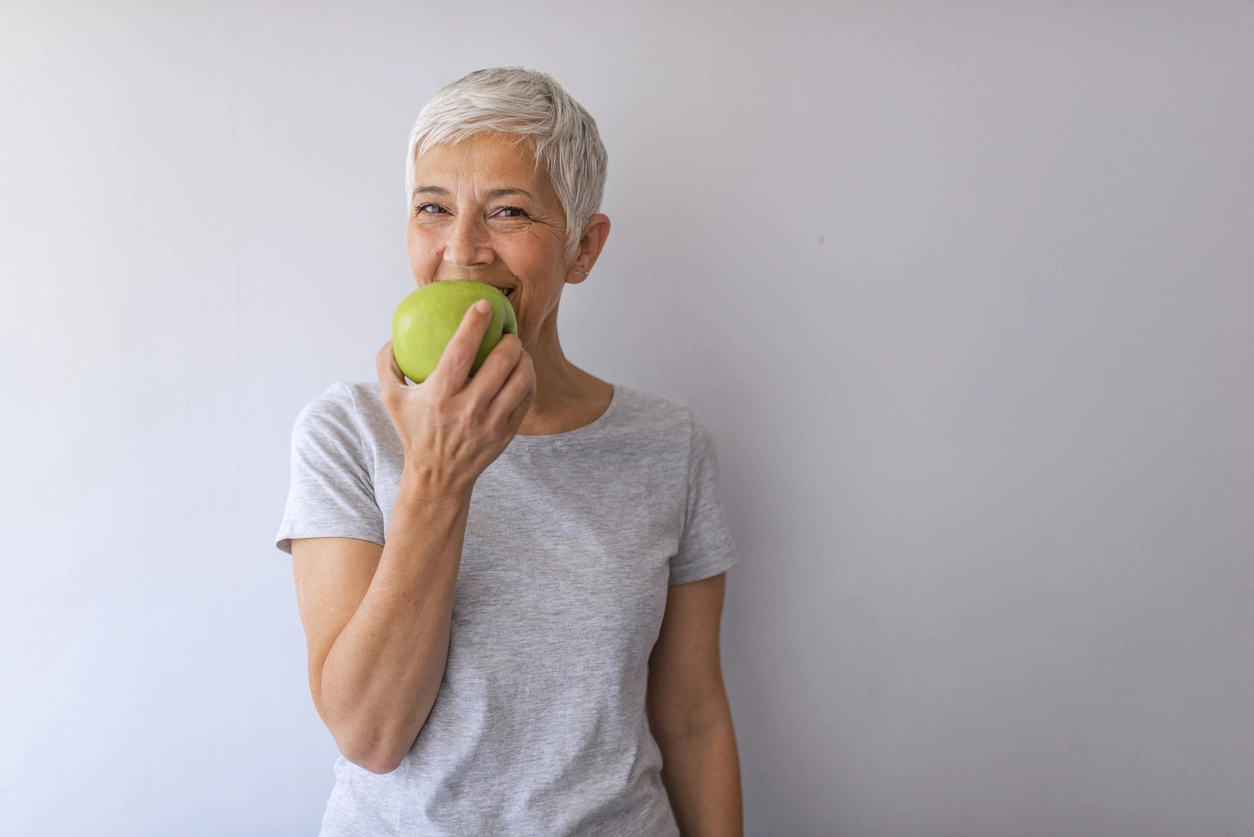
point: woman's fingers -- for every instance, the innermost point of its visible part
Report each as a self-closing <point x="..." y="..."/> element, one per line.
<point x="385" y="364"/>
<point x="496" y="368"/>
<point x="514" y="399"/>
<point x="459" y="355"/>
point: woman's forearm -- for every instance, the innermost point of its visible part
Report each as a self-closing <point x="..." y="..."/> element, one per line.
<point x="701" y="772"/>
<point x="382" y="674"/>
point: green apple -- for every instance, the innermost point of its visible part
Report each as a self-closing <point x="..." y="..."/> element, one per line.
<point x="426" y="320"/>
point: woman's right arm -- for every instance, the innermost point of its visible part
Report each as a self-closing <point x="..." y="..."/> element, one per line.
<point x="377" y="619"/>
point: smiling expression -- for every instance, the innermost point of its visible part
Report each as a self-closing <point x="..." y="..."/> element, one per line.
<point x="483" y="210"/>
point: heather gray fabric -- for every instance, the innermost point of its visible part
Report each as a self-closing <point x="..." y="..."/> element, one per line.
<point x="539" y="727"/>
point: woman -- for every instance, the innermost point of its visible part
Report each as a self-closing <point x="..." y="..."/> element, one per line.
<point x="511" y="584"/>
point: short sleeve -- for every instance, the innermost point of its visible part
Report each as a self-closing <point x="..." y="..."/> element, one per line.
<point x="705" y="546"/>
<point x="331" y="493"/>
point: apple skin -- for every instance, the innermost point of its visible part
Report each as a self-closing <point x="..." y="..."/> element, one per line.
<point x="426" y="320"/>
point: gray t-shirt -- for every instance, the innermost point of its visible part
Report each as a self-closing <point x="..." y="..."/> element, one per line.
<point x="539" y="726"/>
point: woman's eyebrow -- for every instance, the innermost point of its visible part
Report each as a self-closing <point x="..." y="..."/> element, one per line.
<point x="501" y="193"/>
<point x="432" y="190"/>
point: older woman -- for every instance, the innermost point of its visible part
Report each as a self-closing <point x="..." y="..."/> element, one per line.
<point x="511" y="583"/>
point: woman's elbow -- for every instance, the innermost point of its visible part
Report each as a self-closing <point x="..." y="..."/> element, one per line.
<point x="379" y="760"/>
<point x="379" y="765"/>
<point x="377" y="755"/>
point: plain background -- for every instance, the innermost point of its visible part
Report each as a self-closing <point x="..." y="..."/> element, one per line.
<point x="965" y="291"/>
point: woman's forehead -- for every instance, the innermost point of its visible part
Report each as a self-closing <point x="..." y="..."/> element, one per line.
<point x="487" y="162"/>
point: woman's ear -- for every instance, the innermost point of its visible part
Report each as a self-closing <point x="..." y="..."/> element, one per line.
<point x="595" y="232"/>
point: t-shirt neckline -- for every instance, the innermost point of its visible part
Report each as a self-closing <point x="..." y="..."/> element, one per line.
<point x="592" y="427"/>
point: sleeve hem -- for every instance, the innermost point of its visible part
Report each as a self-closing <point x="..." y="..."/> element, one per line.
<point x="284" y="540"/>
<point x="706" y="570"/>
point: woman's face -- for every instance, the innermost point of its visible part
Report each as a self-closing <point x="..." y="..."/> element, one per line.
<point x="483" y="210"/>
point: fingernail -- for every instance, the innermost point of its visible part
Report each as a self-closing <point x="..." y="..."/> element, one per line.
<point x="482" y="307"/>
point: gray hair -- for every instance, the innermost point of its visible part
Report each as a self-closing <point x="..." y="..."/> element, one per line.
<point x="534" y="107"/>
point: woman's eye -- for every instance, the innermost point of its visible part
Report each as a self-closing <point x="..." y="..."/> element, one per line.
<point x="429" y="208"/>
<point x="510" y="212"/>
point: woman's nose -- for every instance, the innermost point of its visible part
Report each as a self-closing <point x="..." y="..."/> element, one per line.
<point x="467" y="244"/>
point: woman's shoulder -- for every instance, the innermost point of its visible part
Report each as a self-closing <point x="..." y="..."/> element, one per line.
<point x="638" y="405"/>
<point x="660" y="416"/>
<point x="346" y="406"/>
<point x="343" y="398"/>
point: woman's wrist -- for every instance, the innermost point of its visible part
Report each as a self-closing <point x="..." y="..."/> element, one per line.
<point x="425" y="486"/>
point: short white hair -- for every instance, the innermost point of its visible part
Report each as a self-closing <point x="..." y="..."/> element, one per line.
<point x="532" y="106"/>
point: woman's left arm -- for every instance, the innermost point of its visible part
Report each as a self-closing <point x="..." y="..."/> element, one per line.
<point x="689" y="714"/>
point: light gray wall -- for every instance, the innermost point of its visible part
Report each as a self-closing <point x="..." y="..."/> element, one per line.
<point x="966" y="292"/>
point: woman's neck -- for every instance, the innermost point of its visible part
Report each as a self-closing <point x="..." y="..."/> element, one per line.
<point x="567" y="397"/>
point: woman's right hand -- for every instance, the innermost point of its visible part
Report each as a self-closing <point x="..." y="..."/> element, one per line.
<point x="453" y="426"/>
